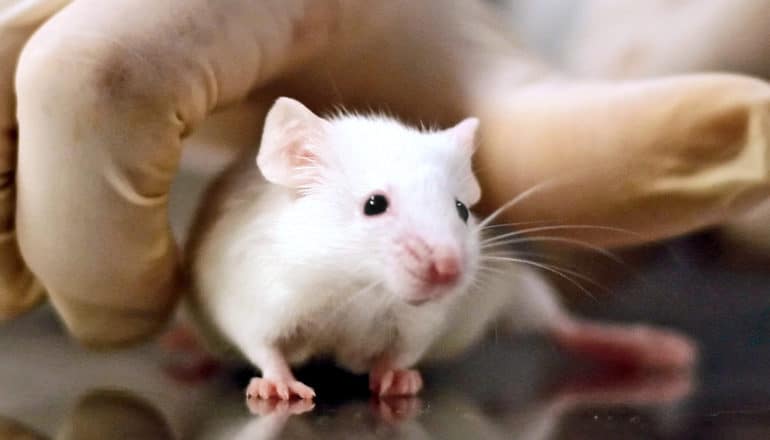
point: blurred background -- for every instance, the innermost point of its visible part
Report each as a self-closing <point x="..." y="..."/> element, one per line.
<point x="713" y="285"/>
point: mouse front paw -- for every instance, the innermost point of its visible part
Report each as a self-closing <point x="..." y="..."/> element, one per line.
<point x="266" y="388"/>
<point x="396" y="409"/>
<point x="268" y="407"/>
<point x="395" y="382"/>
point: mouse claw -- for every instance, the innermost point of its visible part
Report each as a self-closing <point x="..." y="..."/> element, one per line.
<point x="265" y="389"/>
<point x="396" y="409"/>
<point x="396" y="383"/>
<point x="301" y="390"/>
<point x="263" y="407"/>
<point x="283" y="390"/>
<point x="380" y="384"/>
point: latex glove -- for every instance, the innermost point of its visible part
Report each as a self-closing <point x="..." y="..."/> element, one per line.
<point x="19" y="290"/>
<point x="627" y="38"/>
<point x="106" y="91"/>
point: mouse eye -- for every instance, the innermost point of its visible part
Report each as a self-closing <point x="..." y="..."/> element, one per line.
<point x="376" y="205"/>
<point x="462" y="210"/>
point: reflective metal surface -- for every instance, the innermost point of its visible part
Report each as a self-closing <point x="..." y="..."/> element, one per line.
<point x="508" y="388"/>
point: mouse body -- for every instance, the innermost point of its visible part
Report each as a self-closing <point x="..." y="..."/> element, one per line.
<point x="351" y="238"/>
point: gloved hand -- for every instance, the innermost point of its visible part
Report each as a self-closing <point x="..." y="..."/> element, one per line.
<point x="105" y="92"/>
<point x="627" y="38"/>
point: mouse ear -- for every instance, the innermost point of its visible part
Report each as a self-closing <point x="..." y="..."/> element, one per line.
<point x="464" y="136"/>
<point x="291" y="139"/>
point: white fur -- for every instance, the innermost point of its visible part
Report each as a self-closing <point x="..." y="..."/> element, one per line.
<point x="295" y="264"/>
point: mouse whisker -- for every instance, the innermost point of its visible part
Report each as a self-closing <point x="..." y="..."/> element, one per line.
<point x="545" y="260"/>
<point x="561" y="227"/>
<point x="507" y="241"/>
<point x="509" y="225"/>
<point x="559" y="271"/>
<point x="339" y="308"/>
<point x="491" y="269"/>
<point x="524" y="254"/>
<point x="514" y="257"/>
<point x="516" y="200"/>
<point x="481" y="284"/>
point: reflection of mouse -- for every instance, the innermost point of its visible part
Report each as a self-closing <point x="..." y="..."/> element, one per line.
<point x="353" y="241"/>
<point x="643" y="407"/>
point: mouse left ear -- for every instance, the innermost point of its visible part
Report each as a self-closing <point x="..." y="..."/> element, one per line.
<point x="464" y="136"/>
<point x="291" y="142"/>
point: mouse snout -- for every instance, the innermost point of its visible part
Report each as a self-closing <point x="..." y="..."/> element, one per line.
<point x="444" y="267"/>
<point x="432" y="265"/>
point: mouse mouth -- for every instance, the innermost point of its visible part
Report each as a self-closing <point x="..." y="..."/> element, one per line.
<point x="418" y="301"/>
<point x="423" y="292"/>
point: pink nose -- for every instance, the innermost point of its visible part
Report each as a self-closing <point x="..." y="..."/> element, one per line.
<point x="444" y="268"/>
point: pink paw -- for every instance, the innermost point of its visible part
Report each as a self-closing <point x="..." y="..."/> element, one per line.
<point x="260" y="388"/>
<point x="264" y="407"/>
<point x="633" y="346"/>
<point x="396" y="409"/>
<point x="396" y="383"/>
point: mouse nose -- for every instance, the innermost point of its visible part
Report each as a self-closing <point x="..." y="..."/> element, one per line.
<point x="444" y="267"/>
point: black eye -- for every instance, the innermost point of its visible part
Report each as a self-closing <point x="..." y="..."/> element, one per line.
<point x="462" y="210"/>
<point x="376" y="205"/>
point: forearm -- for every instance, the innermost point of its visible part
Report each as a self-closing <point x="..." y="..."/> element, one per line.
<point x="658" y="157"/>
<point x="105" y="95"/>
<point x="19" y="291"/>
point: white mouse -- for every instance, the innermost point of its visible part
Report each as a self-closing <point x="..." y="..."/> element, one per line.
<point x="351" y="239"/>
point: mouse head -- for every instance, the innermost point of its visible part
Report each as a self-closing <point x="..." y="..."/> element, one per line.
<point x="393" y="200"/>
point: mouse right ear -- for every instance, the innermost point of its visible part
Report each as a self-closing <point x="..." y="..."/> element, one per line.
<point x="291" y="140"/>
